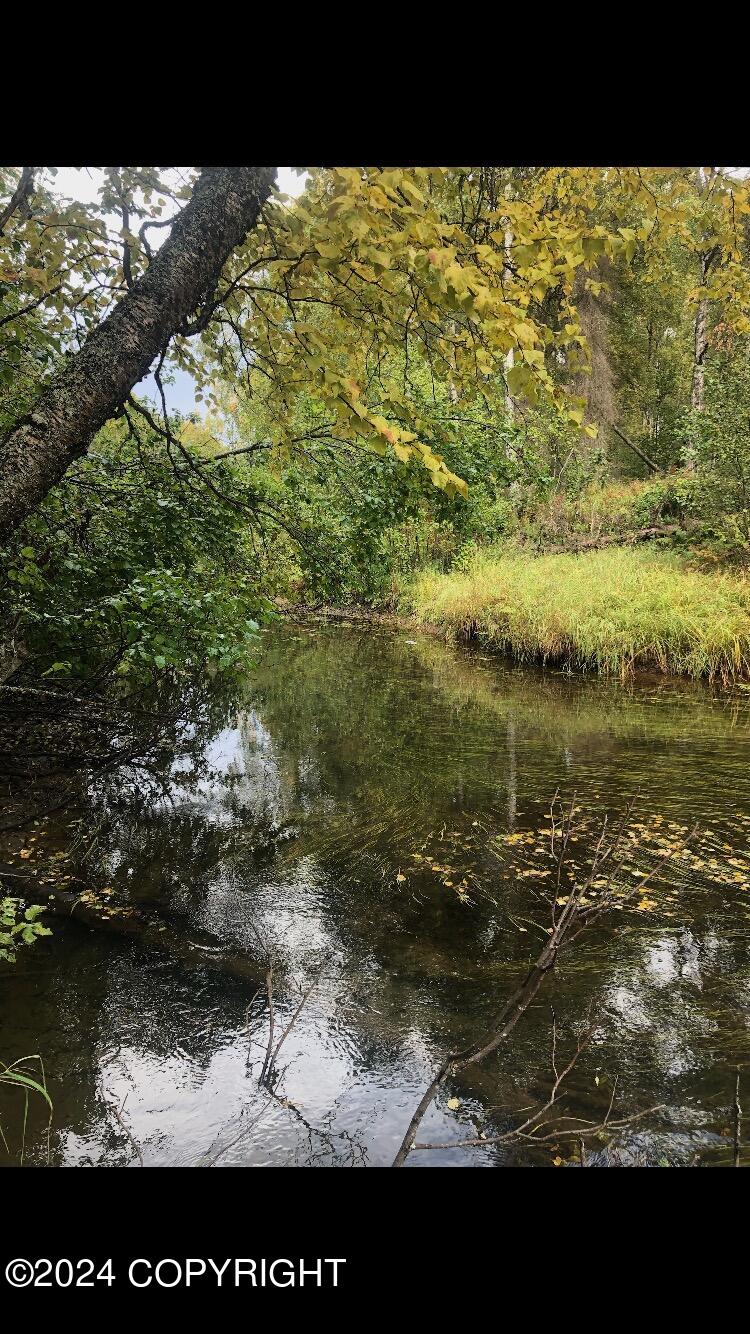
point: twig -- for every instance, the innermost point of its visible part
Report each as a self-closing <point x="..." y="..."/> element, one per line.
<point x="210" y="1160"/>
<point x="266" y="1068"/>
<point x="294" y="1019"/>
<point x="118" y="1113"/>
<point x="574" y="1133"/>
<point x="737" y="1121"/>
<point x="577" y="913"/>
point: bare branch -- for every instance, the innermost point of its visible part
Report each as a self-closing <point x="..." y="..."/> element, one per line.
<point x="582" y="906"/>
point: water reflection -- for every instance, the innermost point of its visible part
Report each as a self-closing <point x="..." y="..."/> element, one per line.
<point x="343" y="819"/>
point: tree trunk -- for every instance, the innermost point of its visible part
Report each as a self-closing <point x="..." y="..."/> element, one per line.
<point x="701" y="347"/>
<point x="706" y="257"/>
<point x="597" y="385"/>
<point x="510" y="406"/>
<point x="182" y="275"/>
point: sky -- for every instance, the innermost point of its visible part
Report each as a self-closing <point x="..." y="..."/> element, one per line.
<point x="82" y="183"/>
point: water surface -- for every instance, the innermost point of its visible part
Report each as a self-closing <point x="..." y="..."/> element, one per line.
<point x="367" y="818"/>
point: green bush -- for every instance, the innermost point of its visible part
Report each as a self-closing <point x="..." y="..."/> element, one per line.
<point x="719" y="448"/>
<point x="133" y="565"/>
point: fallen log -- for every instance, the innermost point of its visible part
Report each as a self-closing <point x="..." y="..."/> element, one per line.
<point x="572" y="547"/>
<point x="94" y="910"/>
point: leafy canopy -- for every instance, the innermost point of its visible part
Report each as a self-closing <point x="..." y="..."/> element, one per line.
<point x="447" y="269"/>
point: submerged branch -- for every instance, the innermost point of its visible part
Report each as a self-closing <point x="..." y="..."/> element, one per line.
<point x="580" y="908"/>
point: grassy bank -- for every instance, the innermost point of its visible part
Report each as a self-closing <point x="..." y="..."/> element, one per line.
<point x="614" y="610"/>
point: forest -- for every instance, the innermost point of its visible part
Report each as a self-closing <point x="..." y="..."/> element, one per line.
<point x="375" y="665"/>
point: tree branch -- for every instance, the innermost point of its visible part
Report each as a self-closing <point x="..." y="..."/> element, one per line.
<point x="36" y="453"/>
<point x="23" y="191"/>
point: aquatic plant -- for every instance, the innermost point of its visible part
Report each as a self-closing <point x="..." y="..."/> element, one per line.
<point x="17" y="1076"/>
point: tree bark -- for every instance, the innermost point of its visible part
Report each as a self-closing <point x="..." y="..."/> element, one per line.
<point x="21" y="195"/>
<point x="182" y="276"/>
<point x="699" y="355"/>
<point x="700" y="349"/>
<point x="510" y="359"/>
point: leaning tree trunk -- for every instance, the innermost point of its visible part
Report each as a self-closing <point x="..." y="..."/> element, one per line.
<point x="36" y="453"/>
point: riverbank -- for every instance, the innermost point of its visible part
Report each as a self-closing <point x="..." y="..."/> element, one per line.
<point x="615" y="611"/>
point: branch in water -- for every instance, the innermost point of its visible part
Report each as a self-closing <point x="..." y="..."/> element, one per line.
<point x="584" y="905"/>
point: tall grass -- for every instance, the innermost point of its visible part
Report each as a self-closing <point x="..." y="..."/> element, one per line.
<point x="613" y="610"/>
<point x="613" y="508"/>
